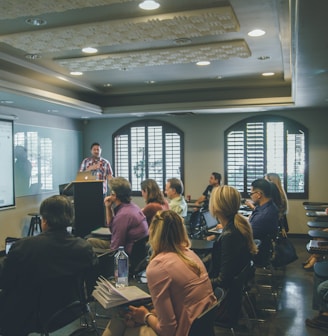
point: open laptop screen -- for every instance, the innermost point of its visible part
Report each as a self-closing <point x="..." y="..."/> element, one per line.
<point x="210" y="221"/>
<point x="9" y="242"/>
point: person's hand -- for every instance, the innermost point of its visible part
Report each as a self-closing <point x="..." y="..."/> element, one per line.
<point x="95" y="166"/>
<point x="283" y="233"/>
<point x="138" y="313"/>
<point x="250" y="204"/>
<point x="109" y="200"/>
<point x="326" y="211"/>
<point x="211" y="237"/>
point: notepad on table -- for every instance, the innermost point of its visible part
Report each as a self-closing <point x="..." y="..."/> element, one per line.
<point x="109" y="296"/>
<point x="102" y="231"/>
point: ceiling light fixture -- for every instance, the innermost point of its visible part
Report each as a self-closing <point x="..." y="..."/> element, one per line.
<point x="256" y="33"/>
<point x="76" y="73"/>
<point x="263" y="58"/>
<point x="36" y="22"/>
<point x="182" y="41"/>
<point x="267" y="74"/>
<point x="32" y="56"/>
<point x="89" y="50"/>
<point x="149" y="5"/>
<point x="203" y="63"/>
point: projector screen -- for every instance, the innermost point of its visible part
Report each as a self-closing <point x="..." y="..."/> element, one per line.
<point x="7" y="193"/>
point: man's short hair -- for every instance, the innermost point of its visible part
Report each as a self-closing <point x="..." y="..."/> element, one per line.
<point x="57" y="211"/>
<point x="176" y="184"/>
<point x="95" y="144"/>
<point x="262" y="185"/>
<point x="122" y="188"/>
<point x="217" y="176"/>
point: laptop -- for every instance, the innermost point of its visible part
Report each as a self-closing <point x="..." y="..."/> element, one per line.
<point x="85" y="176"/>
<point x="9" y="242"/>
<point x="211" y="223"/>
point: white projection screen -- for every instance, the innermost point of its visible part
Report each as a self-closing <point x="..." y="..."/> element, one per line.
<point x="7" y="186"/>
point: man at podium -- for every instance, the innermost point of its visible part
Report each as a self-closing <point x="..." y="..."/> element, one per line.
<point x="98" y="165"/>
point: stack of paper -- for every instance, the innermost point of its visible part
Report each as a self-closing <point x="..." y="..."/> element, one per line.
<point x="109" y="296"/>
<point x="318" y="246"/>
<point x="102" y="231"/>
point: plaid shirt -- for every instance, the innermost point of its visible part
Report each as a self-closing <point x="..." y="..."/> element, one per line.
<point x="103" y="172"/>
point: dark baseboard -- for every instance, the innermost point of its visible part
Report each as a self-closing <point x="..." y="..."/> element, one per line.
<point x="298" y="235"/>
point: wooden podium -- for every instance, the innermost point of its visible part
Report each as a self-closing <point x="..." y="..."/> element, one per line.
<point x="88" y="207"/>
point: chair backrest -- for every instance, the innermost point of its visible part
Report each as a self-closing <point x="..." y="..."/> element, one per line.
<point x="231" y="310"/>
<point x="204" y="323"/>
<point x="62" y="300"/>
<point x="264" y="255"/>
<point x="139" y="256"/>
<point x="197" y="224"/>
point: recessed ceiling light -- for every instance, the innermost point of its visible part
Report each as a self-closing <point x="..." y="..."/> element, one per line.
<point x="53" y="111"/>
<point x="149" y="5"/>
<point x="203" y="63"/>
<point x="76" y="73"/>
<point x="267" y="74"/>
<point x="263" y="58"/>
<point x="89" y="50"/>
<point x="7" y="102"/>
<point x="36" y="22"/>
<point x="107" y="85"/>
<point x="256" y="33"/>
<point x="150" y="82"/>
<point x="182" y="41"/>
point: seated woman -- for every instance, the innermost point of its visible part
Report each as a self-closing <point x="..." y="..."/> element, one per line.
<point x="232" y="250"/>
<point x="154" y="199"/>
<point x="177" y="281"/>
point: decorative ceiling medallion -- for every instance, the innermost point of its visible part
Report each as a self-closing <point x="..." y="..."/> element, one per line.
<point x="18" y="8"/>
<point x="173" y="26"/>
<point x="179" y="55"/>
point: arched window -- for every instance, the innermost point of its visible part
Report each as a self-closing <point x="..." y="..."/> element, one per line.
<point x="148" y="149"/>
<point x="267" y="144"/>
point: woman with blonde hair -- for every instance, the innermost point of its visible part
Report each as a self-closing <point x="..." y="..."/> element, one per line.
<point x="177" y="280"/>
<point x="233" y="249"/>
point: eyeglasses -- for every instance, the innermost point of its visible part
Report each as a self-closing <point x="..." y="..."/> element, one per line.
<point x="254" y="192"/>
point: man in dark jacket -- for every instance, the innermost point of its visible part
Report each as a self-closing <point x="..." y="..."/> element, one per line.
<point x="33" y="262"/>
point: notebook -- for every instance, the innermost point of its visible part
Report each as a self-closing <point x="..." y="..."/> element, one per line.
<point x="9" y="242"/>
<point x="211" y="223"/>
<point x="85" y="176"/>
<point x="102" y="231"/>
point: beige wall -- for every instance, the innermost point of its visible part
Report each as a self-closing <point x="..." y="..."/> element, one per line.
<point x="204" y="153"/>
<point x="14" y="222"/>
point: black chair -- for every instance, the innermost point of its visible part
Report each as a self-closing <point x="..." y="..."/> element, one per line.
<point x="61" y="301"/>
<point x="204" y="323"/>
<point x="139" y="256"/>
<point x="235" y="300"/>
<point x="266" y="279"/>
<point x="197" y="225"/>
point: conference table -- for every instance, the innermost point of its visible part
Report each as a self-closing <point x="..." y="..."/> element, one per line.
<point x="201" y="244"/>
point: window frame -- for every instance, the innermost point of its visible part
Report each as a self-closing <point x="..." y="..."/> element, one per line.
<point x="288" y="124"/>
<point x="166" y="128"/>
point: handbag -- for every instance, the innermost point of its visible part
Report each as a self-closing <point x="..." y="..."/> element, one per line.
<point x="284" y="252"/>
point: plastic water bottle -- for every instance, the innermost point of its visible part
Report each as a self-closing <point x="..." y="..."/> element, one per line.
<point x="121" y="268"/>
